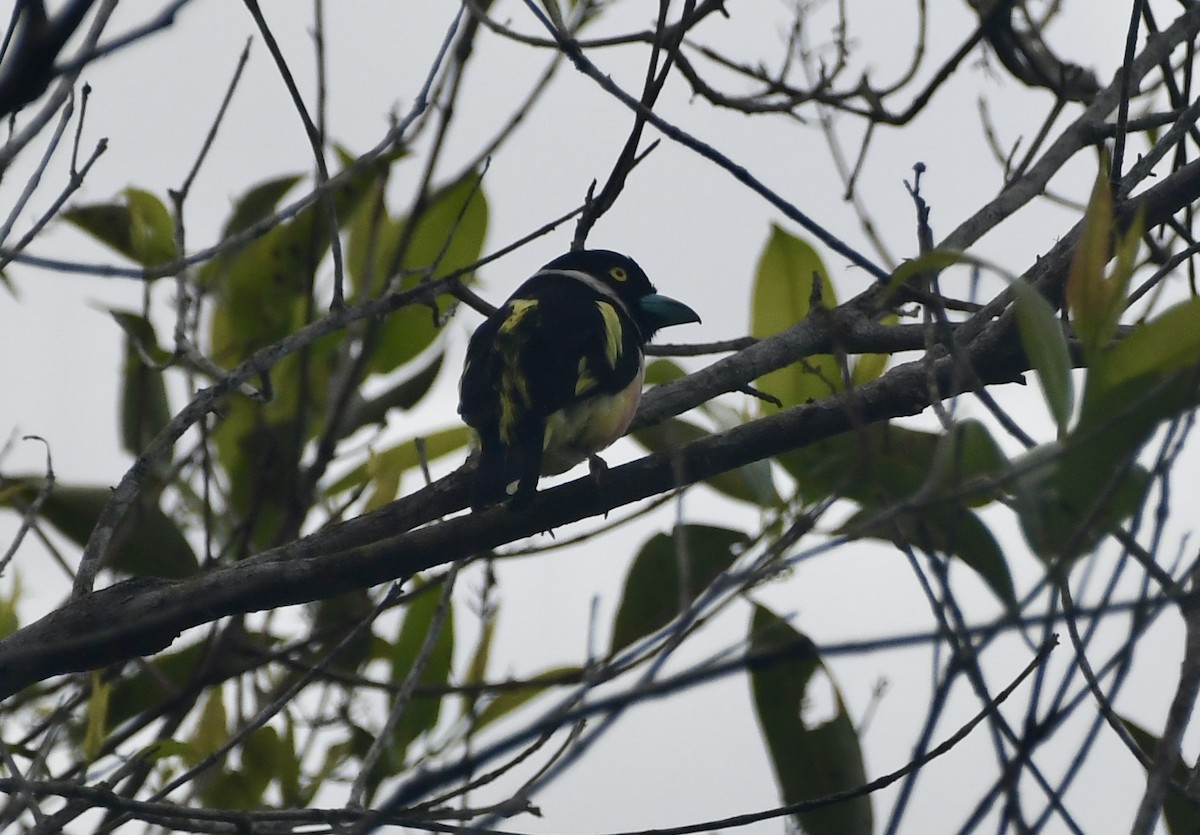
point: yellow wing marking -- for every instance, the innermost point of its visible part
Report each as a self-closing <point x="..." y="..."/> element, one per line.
<point x="612" y="333"/>
<point x="584" y="381"/>
<point x="518" y="309"/>
<point x="514" y="388"/>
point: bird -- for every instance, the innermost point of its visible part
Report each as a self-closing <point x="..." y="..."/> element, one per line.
<point x="555" y="374"/>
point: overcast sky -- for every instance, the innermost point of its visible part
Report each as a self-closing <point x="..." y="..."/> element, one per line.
<point x="697" y="233"/>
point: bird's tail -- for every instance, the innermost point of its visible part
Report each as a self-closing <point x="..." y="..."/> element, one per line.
<point x="508" y="472"/>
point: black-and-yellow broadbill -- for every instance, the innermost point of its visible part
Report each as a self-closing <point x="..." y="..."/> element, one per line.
<point x="554" y="376"/>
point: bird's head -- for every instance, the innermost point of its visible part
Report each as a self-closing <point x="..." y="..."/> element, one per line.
<point x="628" y="282"/>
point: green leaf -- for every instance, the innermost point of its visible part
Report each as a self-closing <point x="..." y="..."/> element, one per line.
<point x="1046" y="346"/>
<point x="162" y="678"/>
<point x="477" y="669"/>
<point x="404" y="395"/>
<point x="212" y="727"/>
<point x="259" y="203"/>
<point x="97" y="717"/>
<point x="144" y="407"/>
<point x="159" y="679"/>
<point x="260" y="445"/>
<point x="264" y="757"/>
<point x="933" y="261"/>
<point x="161" y="749"/>
<point x="1064" y="512"/>
<point x="811" y="760"/>
<point x="448" y="236"/>
<point x="1149" y="377"/>
<point x="1181" y="816"/>
<point x="662" y="371"/>
<point x="783" y="287"/>
<point x="147" y="544"/>
<point x="943" y="529"/>
<point x="749" y="483"/>
<point x="966" y="463"/>
<point x="334" y="620"/>
<point x="140" y="228"/>
<point x="1096" y="303"/>
<point x="1168" y="343"/>
<point x="152" y="231"/>
<point x="423" y="711"/>
<point x="263" y="288"/>
<point x="10" y="620"/>
<point x="289" y="774"/>
<point x="660" y="584"/>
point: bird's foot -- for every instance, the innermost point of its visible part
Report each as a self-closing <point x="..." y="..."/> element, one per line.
<point x="599" y="472"/>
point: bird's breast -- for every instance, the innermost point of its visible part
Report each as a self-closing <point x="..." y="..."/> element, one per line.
<point x="588" y="426"/>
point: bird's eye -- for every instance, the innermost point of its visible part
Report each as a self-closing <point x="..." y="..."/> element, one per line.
<point x="618" y="274"/>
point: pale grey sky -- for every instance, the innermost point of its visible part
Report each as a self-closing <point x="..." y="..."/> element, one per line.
<point x="695" y="230"/>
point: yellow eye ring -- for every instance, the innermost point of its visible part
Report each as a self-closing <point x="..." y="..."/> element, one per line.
<point x="618" y="274"/>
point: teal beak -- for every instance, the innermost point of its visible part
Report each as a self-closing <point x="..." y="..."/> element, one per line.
<point x="658" y="311"/>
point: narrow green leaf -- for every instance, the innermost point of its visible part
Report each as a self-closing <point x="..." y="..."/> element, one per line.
<point x="477" y="669"/>
<point x="257" y="204"/>
<point x="659" y="583"/>
<point x="212" y="727"/>
<point x="97" y="717"/>
<point x="10" y="620"/>
<point x="1092" y="300"/>
<point x="264" y="757"/>
<point x="811" y="760"/>
<point x="141" y="334"/>
<point x="966" y="463"/>
<point x="1046" y="346"/>
<point x="289" y="774"/>
<point x="108" y="223"/>
<point x="342" y="643"/>
<point x="423" y="711"/>
<point x="385" y="473"/>
<point x="1151" y="376"/>
<point x="933" y="261"/>
<point x="783" y="288"/>
<point x="144" y="409"/>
